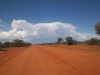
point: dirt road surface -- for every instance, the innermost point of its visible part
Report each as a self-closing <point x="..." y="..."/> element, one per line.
<point x="49" y="60"/>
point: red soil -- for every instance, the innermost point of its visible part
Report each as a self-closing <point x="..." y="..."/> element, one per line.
<point x="52" y="60"/>
<point x="10" y="53"/>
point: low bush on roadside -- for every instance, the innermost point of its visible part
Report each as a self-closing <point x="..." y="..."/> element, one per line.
<point x="93" y="41"/>
<point x="14" y="43"/>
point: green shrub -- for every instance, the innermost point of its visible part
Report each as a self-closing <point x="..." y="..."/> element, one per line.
<point x="93" y="41"/>
<point x="69" y="40"/>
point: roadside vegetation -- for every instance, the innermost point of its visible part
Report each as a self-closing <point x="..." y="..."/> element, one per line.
<point x="69" y="40"/>
<point x="14" y="43"/>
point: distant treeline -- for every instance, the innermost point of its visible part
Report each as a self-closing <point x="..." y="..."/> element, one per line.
<point x="14" y="43"/>
<point x="69" y="41"/>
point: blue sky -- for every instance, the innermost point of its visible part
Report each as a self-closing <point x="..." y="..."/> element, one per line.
<point x="83" y="14"/>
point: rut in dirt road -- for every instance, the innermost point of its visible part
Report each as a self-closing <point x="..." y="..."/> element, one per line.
<point x="31" y="62"/>
<point x="46" y="60"/>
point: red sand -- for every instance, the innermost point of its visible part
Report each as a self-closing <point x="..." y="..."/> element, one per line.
<point x="52" y="60"/>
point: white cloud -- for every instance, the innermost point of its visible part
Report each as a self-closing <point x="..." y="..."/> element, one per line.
<point x="42" y="32"/>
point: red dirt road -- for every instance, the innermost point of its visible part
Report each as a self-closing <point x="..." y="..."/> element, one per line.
<point x="51" y="60"/>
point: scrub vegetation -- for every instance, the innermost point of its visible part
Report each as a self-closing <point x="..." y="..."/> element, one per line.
<point x="15" y="43"/>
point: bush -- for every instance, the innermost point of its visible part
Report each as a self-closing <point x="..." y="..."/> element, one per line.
<point x="14" y="43"/>
<point x="93" y="41"/>
<point x="69" y="40"/>
<point x="59" y="40"/>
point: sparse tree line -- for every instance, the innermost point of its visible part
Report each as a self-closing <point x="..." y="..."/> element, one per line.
<point x="69" y="41"/>
<point x="14" y="43"/>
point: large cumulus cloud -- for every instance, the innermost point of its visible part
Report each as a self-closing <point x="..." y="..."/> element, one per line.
<point x="41" y="32"/>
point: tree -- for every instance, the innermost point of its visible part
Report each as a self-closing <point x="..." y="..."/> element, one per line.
<point x="7" y="44"/>
<point x="59" y="40"/>
<point x="97" y="28"/>
<point x="18" y="43"/>
<point x="27" y="44"/>
<point x="75" y="42"/>
<point x="1" y="45"/>
<point x="69" y="40"/>
<point x="93" y="41"/>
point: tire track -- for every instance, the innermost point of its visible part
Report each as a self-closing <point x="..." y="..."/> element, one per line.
<point x="61" y="62"/>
